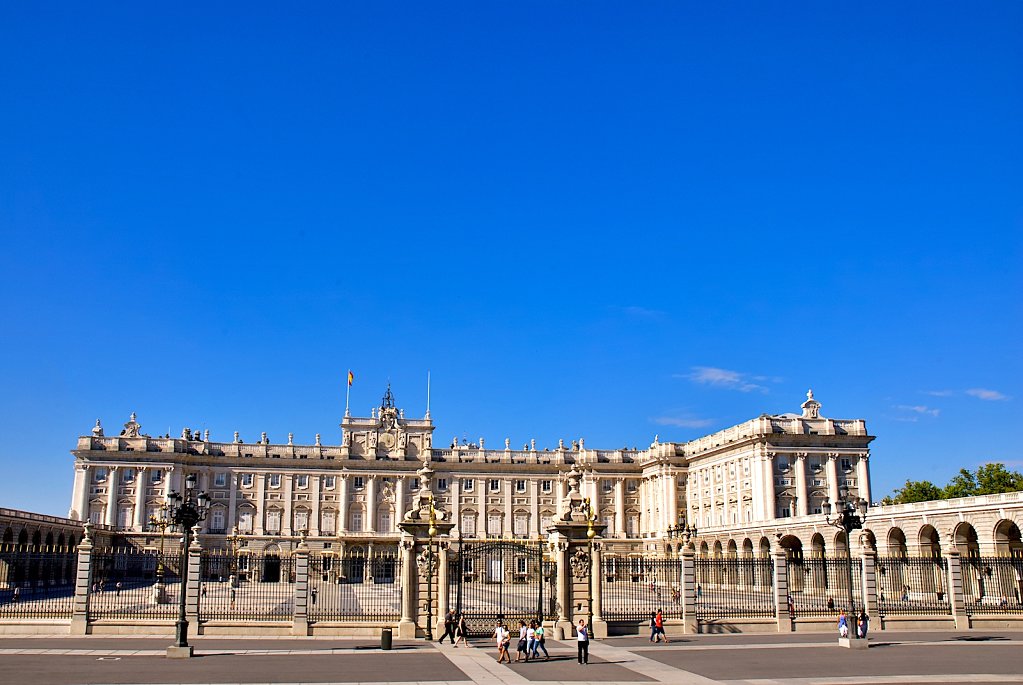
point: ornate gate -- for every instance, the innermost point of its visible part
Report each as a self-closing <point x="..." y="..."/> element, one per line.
<point x="500" y="579"/>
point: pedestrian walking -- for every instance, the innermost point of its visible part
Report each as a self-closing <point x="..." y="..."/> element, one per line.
<point x="503" y="638"/>
<point x="843" y="624"/>
<point x="540" y="643"/>
<point x="312" y="596"/>
<point x="653" y="626"/>
<point x="582" y="641"/>
<point x="203" y="593"/>
<point x="117" y="589"/>
<point x="232" y="597"/>
<point x="831" y="603"/>
<point x="17" y="595"/>
<point x="699" y="591"/>
<point x="449" y="628"/>
<point x="659" y="624"/>
<point x="462" y="631"/>
<point x="531" y="640"/>
<point x="861" y="623"/>
<point x="521" y="647"/>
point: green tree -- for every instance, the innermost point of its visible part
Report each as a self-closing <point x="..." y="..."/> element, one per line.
<point x="962" y="485"/>
<point x="995" y="478"/>
<point x="917" y="491"/>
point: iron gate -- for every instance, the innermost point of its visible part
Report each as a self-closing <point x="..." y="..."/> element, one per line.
<point x="501" y="579"/>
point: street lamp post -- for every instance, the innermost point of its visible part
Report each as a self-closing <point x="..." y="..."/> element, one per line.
<point x="682" y="531"/>
<point x="185" y="509"/>
<point x="163" y="523"/>
<point x="850" y="513"/>
<point x="232" y="566"/>
<point x="431" y="531"/>
<point x="590" y="534"/>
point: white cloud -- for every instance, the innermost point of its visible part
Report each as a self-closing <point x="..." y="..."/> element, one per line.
<point x="725" y="378"/>
<point x="939" y="393"/>
<point x="985" y="394"/>
<point x="682" y="421"/>
<point x="919" y="409"/>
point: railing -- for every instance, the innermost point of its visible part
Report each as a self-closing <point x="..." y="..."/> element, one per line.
<point x="246" y="586"/>
<point x="734" y="587"/>
<point x="354" y="587"/>
<point x="37" y="582"/>
<point x="820" y="587"/>
<point x="633" y="588"/>
<point x="993" y="585"/>
<point x="134" y="584"/>
<point x="912" y="586"/>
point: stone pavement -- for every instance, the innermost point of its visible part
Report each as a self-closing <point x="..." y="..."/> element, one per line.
<point x="801" y="659"/>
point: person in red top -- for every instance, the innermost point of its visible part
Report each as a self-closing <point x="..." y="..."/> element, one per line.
<point x="659" y="626"/>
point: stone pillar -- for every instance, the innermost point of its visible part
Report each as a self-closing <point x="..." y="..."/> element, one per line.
<point x="441" y="589"/>
<point x="689" y="622"/>
<point x="111" y="513"/>
<point x="596" y="575"/>
<point x="673" y="499"/>
<point x="260" y="504"/>
<point x="409" y="588"/>
<point x="456" y="503"/>
<point x="343" y="504"/>
<point x="563" y="627"/>
<point x="300" y="621"/>
<point x="232" y="500"/>
<point x="802" y="497"/>
<point x="770" y="508"/>
<point x="287" y="525"/>
<point x="371" y="504"/>
<point x="781" y="592"/>
<point x="83" y="585"/>
<point x="957" y="594"/>
<point x="193" y="586"/>
<point x="168" y="481"/>
<point x="399" y="501"/>
<point x="83" y="477"/>
<point x="509" y="518"/>
<point x="869" y="585"/>
<point x="534" y="508"/>
<point x="832" y="471"/>
<point x="863" y="477"/>
<point x="619" y="530"/>
<point x="314" y="514"/>
<point x="140" y="499"/>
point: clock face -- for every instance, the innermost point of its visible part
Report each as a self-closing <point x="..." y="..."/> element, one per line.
<point x="386" y="440"/>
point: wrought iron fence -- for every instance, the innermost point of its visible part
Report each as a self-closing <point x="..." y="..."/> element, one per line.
<point x="993" y="585"/>
<point x="135" y="584"/>
<point x="354" y="587"/>
<point x="633" y="588"/>
<point x="912" y="586"/>
<point x="820" y="587"/>
<point x="37" y="582"/>
<point x="733" y="587"/>
<point x="246" y="586"/>
<point x="499" y="579"/>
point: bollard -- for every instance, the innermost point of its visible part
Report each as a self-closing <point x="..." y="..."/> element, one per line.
<point x="385" y="638"/>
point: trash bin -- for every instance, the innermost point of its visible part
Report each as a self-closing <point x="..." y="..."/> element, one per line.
<point x="385" y="638"/>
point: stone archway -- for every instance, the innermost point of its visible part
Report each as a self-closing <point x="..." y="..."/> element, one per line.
<point x="930" y="542"/>
<point x="896" y="543"/>
<point x="965" y="539"/>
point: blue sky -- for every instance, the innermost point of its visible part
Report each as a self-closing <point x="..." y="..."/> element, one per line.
<point x="607" y="220"/>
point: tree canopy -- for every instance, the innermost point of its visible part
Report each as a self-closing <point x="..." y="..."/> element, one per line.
<point x="989" y="479"/>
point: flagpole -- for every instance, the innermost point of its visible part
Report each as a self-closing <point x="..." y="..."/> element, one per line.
<point x="427" y="394"/>
<point x="348" y="392"/>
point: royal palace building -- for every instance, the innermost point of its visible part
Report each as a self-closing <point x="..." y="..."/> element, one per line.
<point x="757" y="473"/>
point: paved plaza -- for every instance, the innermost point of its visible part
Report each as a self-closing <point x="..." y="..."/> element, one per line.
<point x="804" y="659"/>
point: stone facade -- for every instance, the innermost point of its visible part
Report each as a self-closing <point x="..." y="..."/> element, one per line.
<point x="763" y="471"/>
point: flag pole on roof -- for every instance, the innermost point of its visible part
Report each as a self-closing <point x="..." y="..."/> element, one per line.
<point x="348" y="392"/>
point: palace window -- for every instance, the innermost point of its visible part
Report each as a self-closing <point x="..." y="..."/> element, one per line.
<point x="386" y="522"/>
<point x="442" y="483"/>
<point x="846" y="465"/>
<point x="545" y="522"/>
<point x="128" y="476"/>
<point x="469" y="525"/>
<point x="468" y="485"/>
<point x="275" y="480"/>
<point x="273" y="521"/>
<point x="495" y="485"/>
<point x="520" y="486"/>
<point x="217" y="519"/>
<point x="520" y="524"/>
<point x="356" y="521"/>
<point x="246" y="480"/>
<point x="329" y="519"/>
<point x="494" y="525"/>
<point x="124" y="517"/>
<point x="632" y="525"/>
<point x="606" y="485"/>
<point x="220" y="480"/>
<point x="521" y="565"/>
<point x="100" y="475"/>
<point x="302" y="520"/>
<point x="156" y="476"/>
<point x="302" y="481"/>
<point x="546" y="485"/>
<point x="415" y="484"/>
<point x="358" y="482"/>
<point x="632" y="486"/>
<point x="245" y="521"/>
<point x="328" y="482"/>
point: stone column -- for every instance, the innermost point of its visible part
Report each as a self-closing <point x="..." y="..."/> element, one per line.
<point x="111" y="513"/>
<point x="441" y="589"/>
<point x="409" y="583"/>
<point x="509" y="518"/>
<point x="287" y="525"/>
<point x="869" y="585"/>
<point x="257" y="524"/>
<point x="232" y="500"/>
<point x="563" y="627"/>
<point x="781" y="592"/>
<point x="140" y="498"/>
<point x="832" y="471"/>
<point x="562" y="496"/>
<point x="957" y="594"/>
<point x="371" y="504"/>
<point x="456" y="504"/>
<point x="619" y="530"/>
<point x="863" y="477"/>
<point x="690" y="625"/>
<point x="314" y="514"/>
<point x="342" y="526"/>
<point x="168" y="481"/>
<point x="596" y="574"/>
<point x="534" y="503"/>
<point x="83" y="585"/>
<point x="672" y="499"/>
<point x="193" y="586"/>
<point x="769" y="492"/>
<point x="300" y="621"/>
<point x="83" y="478"/>
<point x="802" y="497"/>
<point x="399" y="501"/>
